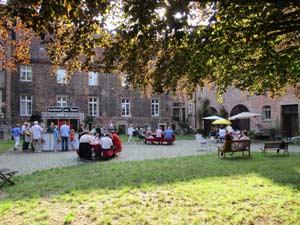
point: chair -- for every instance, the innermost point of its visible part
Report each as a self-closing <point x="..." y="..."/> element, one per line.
<point x="6" y="175"/>
<point x="202" y="141"/>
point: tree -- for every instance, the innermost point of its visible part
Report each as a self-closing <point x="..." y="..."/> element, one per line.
<point x="14" y="41"/>
<point x="169" y="45"/>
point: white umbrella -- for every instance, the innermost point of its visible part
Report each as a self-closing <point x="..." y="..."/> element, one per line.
<point x="212" y="118"/>
<point x="244" y="115"/>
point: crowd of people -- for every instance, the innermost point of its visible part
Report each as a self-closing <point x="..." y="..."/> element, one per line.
<point x="144" y="133"/>
<point x="221" y="132"/>
<point x="30" y="134"/>
<point x="62" y="137"/>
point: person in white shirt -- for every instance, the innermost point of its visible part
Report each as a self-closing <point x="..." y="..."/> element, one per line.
<point x="106" y="143"/>
<point x="229" y="129"/>
<point x="222" y="133"/>
<point x="36" y="131"/>
<point x="130" y="131"/>
<point x="85" y="151"/>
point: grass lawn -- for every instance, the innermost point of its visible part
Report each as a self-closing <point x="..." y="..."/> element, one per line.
<point x="188" y="190"/>
<point x="6" y="145"/>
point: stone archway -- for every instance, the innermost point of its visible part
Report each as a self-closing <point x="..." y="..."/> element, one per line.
<point x="243" y="124"/>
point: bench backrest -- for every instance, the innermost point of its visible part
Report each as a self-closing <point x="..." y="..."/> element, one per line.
<point x="241" y="144"/>
<point x="280" y="145"/>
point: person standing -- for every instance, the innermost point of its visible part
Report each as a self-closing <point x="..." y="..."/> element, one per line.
<point x="23" y="127"/>
<point x="130" y="131"/>
<point x="28" y="137"/>
<point x="56" y="138"/>
<point x="16" y="133"/>
<point x="36" y="131"/>
<point x="64" y="133"/>
<point x="73" y="141"/>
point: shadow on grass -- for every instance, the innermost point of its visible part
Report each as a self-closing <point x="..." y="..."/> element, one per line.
<point x="283" y="170"/>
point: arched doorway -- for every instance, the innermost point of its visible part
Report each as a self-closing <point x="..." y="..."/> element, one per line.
<point x="242" y="124"/>
<point x="207" y="123"/>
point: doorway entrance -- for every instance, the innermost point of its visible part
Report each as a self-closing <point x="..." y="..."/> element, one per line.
<point x="290" y="120"/>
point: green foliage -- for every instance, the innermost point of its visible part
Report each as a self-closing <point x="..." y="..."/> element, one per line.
<point x="251" y="45"/>
<point x="223" y="112"/>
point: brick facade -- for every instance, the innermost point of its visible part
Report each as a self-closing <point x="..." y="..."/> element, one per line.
<point x="278" y="120"/>
<point x="44" y="90"/>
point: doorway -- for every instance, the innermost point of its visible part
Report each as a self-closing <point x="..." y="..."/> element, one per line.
<point x="290" y="120"/>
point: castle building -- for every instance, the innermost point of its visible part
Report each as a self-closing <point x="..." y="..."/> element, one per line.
<point x="95" y="97"/>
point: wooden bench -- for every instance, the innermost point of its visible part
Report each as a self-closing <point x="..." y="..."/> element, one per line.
<point x="235" y="146"/>
<point x="6" y="175"/>
<point x="279" y="145"/>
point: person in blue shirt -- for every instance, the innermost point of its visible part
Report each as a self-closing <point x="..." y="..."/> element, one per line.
<point x="56" y="138"/>
<point x="64" y="133"/>
<point x="169" y="133"/>
<point x="16" y="133"/>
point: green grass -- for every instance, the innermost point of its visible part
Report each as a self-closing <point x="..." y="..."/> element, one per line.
<point x="6" y="145"/>
<point x="188" y="190"/>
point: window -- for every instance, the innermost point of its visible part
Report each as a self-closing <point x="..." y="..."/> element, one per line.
<point x="62" y="101"/>
<point x="190" y="108"/>
<point x="93" y="106"/>
<point x="60" y="76"/>
<point x="93" y="78"/>
<point x="125" y="107"/>
<point x="25" y="73"/>
<point x="155" y="107"/>
<point x="25" y="105"/>
<point x="266" y="112"/>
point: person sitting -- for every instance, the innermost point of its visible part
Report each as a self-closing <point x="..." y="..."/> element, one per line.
<point x="159" y="134"/>
<point x="106" y="143"/>
<point x="85" y="151"/>
<point x="117" y="143"/>
<point x="169" y="134"/>
<point x="244" y="135"/>
<point x="227" y="144"/>
<point x="237" y="134"/>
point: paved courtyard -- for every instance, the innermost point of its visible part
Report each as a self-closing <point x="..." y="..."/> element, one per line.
<point x="26" y="162"/>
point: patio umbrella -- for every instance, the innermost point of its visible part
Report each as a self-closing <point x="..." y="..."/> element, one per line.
<point x="212" y="118"/>
<point x="221" y="121"/>
<point x="244" y="115"/>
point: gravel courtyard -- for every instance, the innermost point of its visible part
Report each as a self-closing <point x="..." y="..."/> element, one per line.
<point x="26" y="162"/>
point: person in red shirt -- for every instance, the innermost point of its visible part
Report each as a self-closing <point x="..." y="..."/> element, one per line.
<point x="117" y="142"/>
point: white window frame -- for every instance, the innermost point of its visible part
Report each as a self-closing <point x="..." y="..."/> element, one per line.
<point x="26" y="73"/>
<point x="62" y="100"/>
<point x="93" y="78"/>
<point x="266" y="112"/>
<point x="60" y="76"/>
<point x="154" y="107"/>
<point x="93" y="109"/>
<point x="27" y="102"/>
<point x="125" y="108"/>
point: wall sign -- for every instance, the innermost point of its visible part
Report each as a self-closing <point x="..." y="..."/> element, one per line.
<point x="56" y="109"/>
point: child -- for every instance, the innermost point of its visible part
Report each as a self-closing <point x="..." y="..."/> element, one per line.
<point x="73" y="143"/>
